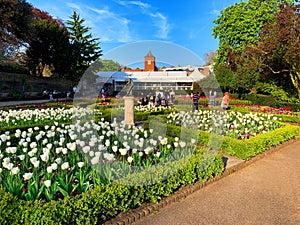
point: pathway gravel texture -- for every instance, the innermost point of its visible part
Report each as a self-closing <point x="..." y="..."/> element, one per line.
<point x="265" y="192"/>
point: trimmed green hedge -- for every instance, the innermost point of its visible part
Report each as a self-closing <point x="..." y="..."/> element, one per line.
<point x="104" y="202"/>
<point x="243" y="149"/>
<point x="247" y="148"/>
<point x="289" y="118"/>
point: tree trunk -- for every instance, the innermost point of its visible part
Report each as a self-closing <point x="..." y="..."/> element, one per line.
<point x="295" y="77"/>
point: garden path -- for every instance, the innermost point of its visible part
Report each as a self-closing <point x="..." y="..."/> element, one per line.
<point x="10" y="103"/>
<point x="266" y="191"/>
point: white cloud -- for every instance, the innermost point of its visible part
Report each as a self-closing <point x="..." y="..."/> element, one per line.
<point x="110" y="25"/>
<point x="141" y="4"/>
<point x="76" y="7"/>
<point x="104" y="23"/>
<point x="161" y="22"/>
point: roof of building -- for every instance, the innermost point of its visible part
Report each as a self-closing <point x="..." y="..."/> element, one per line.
<point x="152" y="76"/>
<point x="149" y="54"/>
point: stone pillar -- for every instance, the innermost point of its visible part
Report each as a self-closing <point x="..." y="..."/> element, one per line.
<point x="129" y="110"/>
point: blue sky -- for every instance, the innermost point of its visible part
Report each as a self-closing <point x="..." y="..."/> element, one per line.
<point x="118" y="22"/>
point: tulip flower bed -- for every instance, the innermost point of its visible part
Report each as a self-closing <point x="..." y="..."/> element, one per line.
<point x="231" y="124"/>
<point x="286" y="114"/>
<point x="69" y="169"/>
<point x="233" y="101"/>
<point x="54" y="161"/>
<point x="21" y="117"/>
<point x="240" y="135"/>
<point x="103" y="202"/>
<point x="49" y="173"/>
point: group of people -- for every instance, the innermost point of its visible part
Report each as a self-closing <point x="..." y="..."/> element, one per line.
<point x="160" y="98"/>
<point x="212" y="96"/>
<point x="57" y="94"/>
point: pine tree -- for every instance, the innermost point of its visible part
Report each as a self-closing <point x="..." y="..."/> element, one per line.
<point x="85" y="48"/>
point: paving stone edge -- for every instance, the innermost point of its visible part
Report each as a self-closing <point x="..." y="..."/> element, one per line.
<point x="134" y="215"/>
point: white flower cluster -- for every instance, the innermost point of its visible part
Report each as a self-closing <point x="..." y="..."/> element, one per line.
<point x="45" y="152"/>
<point x="29" y="116"/>
<point x="233" y="124"/>
<point x="151" y="108"/>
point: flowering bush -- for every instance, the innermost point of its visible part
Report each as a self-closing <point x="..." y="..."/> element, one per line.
<point x="148" y="108"/>
<point x="61" y="160"/>
<point x="232" y="124"/>
<point x="47" y="115"/>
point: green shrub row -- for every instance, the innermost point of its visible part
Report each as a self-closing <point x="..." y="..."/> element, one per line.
<point x="245" y="148"/>
<point x="108" y="114"/>
<point x="289" y="118"/>
<point x="268" y="100"/>
<point x="204" y="101"/>
<point x="104" y="202"/>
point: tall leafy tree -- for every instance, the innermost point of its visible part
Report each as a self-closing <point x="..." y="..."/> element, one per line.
<point x="15" y="29"/>
<point x="16" y="16"/>
<point x="240" y="24"/>
<point x="276" y="55"/>
<point x="48" y="47"/>
<point x="85" y="48"/>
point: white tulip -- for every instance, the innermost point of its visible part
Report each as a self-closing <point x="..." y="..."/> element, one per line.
<point x="64" y="151"/>
<point x="123" y="151"/>
<point x="65" y="166"/>
<point x="80" y="164"/>
<point x="182" y="144"/>
<point x="95" y="160"/>
<point x="115" y="148"/>
<point x="86" y="149"/>
<point x="44" y="157"/>
<point x="14" y="171"/>
<point x="71" y="146"/>
<point x="21" y="157"/>
<point x="8" y="166"/>
<point x="109" y="156"/>
<point x="129" y="159"/>
<point x="27" y="176"/>
<point x="36" y="164"/>
<point x="58" y="160"/>
<point x="49" y="169"/>
<point x="54" y="166"/>
<point x="47" y="183"/>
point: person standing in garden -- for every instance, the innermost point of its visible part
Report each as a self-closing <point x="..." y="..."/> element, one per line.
<point x="212" y="96"/>
<point x="196" y="97"/>
<point x="225" y="101"/>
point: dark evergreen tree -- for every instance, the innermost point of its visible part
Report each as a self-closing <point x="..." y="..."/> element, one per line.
<point x="84" y="48"/>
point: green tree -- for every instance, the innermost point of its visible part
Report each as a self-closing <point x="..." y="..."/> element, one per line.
<point x="276" y="55"/>
<point x="15" y="30"/>
<point x="109" y="65"/>
<point x="84" y="48"/>
<point x="228" y="80"/>
<point x="209" y="82"/>
<point x="49" y="46"/>
<point x="16" y="16"/>
<point x="240" y="24"/>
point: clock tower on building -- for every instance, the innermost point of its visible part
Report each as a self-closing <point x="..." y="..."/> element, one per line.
<point x="149" y="63"/>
